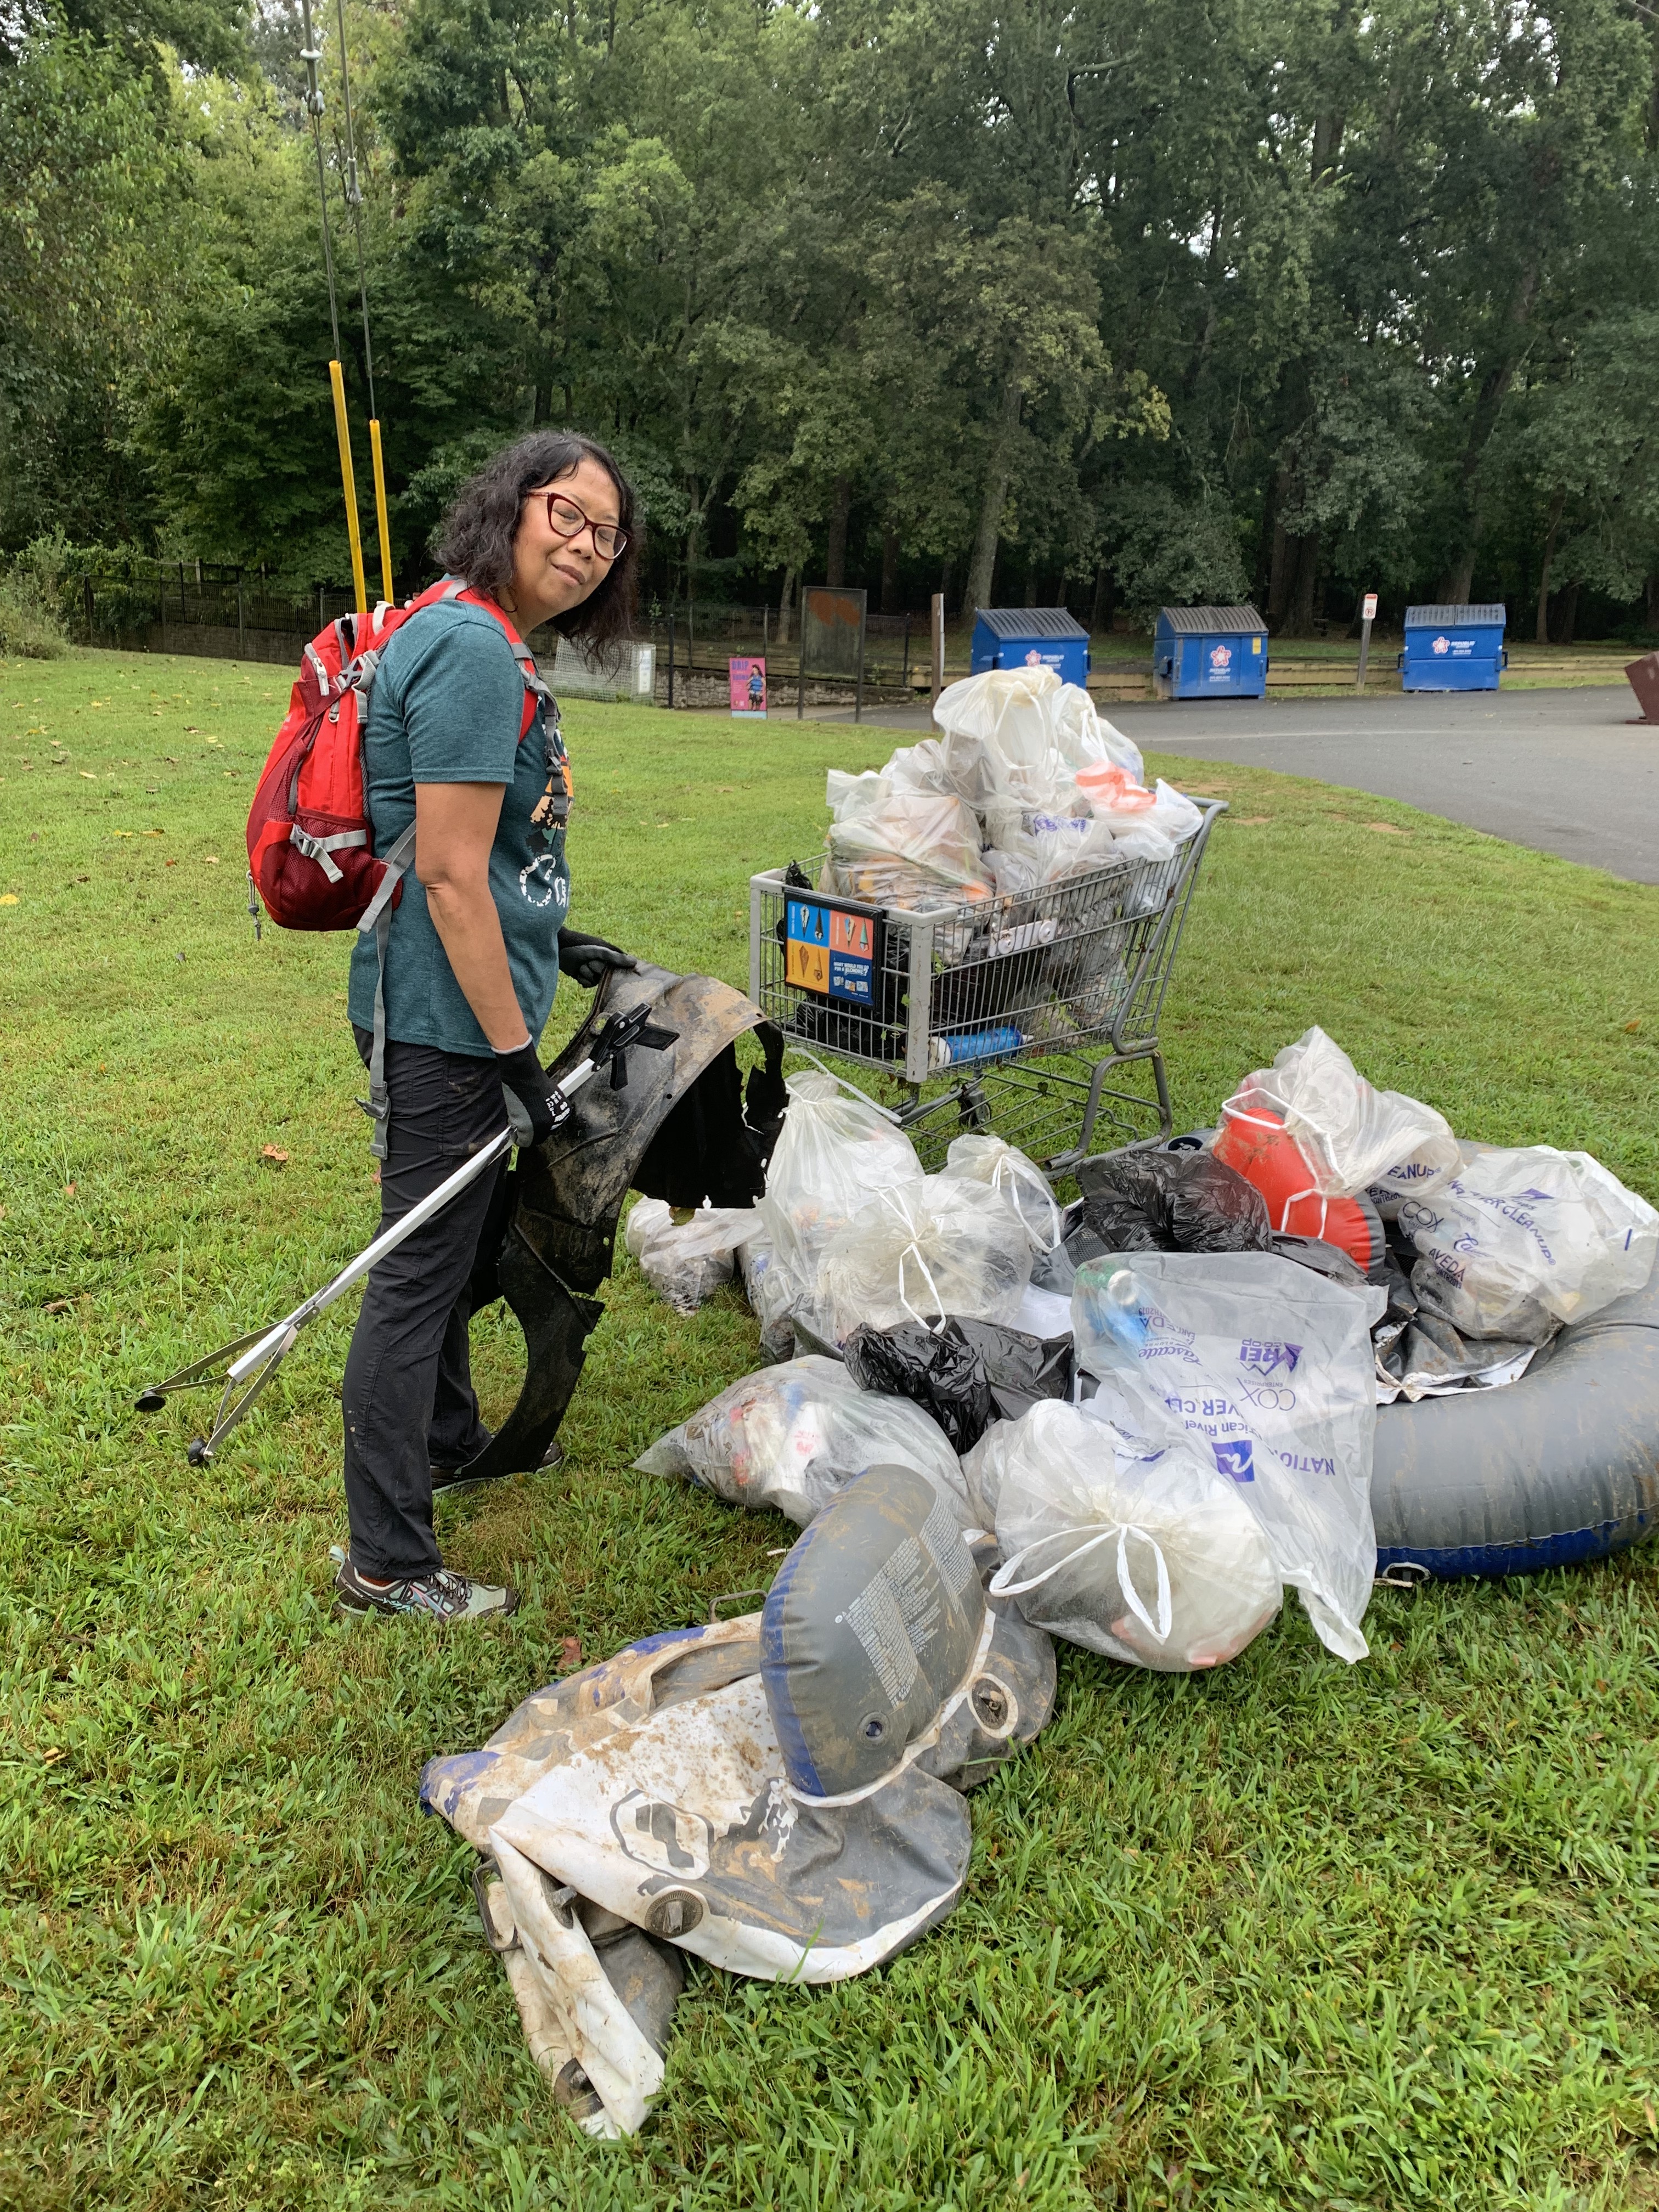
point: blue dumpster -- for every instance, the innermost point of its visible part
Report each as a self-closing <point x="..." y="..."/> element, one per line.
<point x="1032" y="637"/>
<point x="1209" y="652"/>
<point x="1453" y="648"/>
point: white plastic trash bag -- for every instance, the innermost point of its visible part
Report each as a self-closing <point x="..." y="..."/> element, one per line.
<point x="834" y="1153"/>
<point x="686" y="1261"/>
<point x="993" y="1162"/>
<point x="1145" y="1551"/>
<point x="883" y="843"/>
<point x="1350" y="1134"/>
<point x="794" y="1435"/>
<point x="766" y="1287"/>
<point x="1271" y="1366"/>
<point x="925" y="1251"/>
<point x="1519" y="1242"/>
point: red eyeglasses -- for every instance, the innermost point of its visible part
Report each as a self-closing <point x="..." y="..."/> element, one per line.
<point x="566" y="520"/>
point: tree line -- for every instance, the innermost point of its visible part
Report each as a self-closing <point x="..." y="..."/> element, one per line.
<point x="1109" y="304"/>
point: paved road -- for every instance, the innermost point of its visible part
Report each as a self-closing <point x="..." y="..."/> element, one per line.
<point x="1561" y="771"/>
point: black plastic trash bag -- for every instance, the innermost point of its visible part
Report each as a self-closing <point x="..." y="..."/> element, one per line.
<point x="1155" y="1202"/>
<point x="944" y="1376"/>
<point x="1019" y="1368"/>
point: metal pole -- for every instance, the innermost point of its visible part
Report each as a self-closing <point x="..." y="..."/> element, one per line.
<point x="904" y="675"/>
<point x="858" y="689"/>
<point x="938" y="645"/>
<point x="670" y="659"/>
<point x="311" y="54"/>
<point x="354" y="194"/>
<point x="1367" y="608"/>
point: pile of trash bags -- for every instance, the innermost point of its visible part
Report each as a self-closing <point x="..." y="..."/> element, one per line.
<point x="1026" y="790"/>
<point x="1133" y="1422"/>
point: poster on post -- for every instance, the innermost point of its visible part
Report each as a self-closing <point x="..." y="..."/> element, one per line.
<point x="748" y="681"/>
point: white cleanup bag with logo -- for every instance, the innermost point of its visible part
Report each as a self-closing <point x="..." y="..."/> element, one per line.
<point x="1519" y="1242"/>
<point x="1270" y="1366"/>
<point x="1145" y="1551"/>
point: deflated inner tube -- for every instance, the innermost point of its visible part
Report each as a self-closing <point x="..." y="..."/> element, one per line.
<point x="1561" y="1467"/>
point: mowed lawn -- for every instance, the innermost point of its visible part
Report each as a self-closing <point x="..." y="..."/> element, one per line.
<point x="1291" y="1934"/>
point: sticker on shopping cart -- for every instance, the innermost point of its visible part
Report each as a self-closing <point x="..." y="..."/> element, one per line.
<point x="830" y="951"/>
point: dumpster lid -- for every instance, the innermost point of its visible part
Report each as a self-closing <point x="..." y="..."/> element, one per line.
<point x="1187" y="621"/>
<point x="1467" y="618"/>
<point x="1030" y="621"/>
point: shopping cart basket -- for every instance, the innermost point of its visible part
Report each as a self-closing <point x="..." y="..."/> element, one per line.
<point x="1035" y="1014"/>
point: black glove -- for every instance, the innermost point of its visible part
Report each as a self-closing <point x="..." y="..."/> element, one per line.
<point x="587" y="960"/>
<point x="525" y="1084"/>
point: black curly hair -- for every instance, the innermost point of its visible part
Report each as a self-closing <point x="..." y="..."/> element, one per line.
<point x="475" y="539"/>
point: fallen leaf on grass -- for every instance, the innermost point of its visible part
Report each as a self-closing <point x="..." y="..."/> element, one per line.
<point x="7" y="898"/>
<point x="58" y="1305"/>
<point x="68" y="1190"/>
<point x="570" y="1653"/>
<point x="212" y="858"/>
<point x="1631" y="1027"/>
<point x="275" y="1154"/>
<point x="172" y="863"/>
<point x="1389" y="829"/>
<point x="86" y="776"/>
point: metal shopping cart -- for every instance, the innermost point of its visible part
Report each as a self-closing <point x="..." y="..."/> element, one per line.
<point x="1035" y="1014"/>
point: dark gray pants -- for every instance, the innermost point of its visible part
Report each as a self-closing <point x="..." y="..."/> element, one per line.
<point x="407" y="1396"/>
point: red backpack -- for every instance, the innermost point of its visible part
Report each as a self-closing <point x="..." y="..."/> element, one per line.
<point x="310" y="844"/>
<point x="311" y="851"/>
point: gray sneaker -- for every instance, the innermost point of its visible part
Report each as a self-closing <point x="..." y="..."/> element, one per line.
<point x="444" y="1595"/>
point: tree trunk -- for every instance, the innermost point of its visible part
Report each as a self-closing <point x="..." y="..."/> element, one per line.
<point x="1307" y="576"/>
<point x="784" y="602"/>
<point x="1541" y="625"/>
<point x="1105" y="605"/>
<point x="1567" y="617"/>
<point x="1268" y="539"/>
<point x="1031" y="599"/>
<point x="983" y="568"/>
<point x="1651" y="590"/>
<point x="890" y="571"/>
<point x="835" y="566"/>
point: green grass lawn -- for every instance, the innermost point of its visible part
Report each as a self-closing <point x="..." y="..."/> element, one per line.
<point x="1291" y="1935"/>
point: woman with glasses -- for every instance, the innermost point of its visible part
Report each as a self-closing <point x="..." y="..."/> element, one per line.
<point x="461" y="740"/>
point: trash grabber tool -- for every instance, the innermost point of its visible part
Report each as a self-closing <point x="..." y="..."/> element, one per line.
<point x="248" y="1363"/>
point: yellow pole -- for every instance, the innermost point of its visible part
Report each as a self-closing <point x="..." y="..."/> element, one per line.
<point x="380" y="513"/>
<point x="342" y="431"/>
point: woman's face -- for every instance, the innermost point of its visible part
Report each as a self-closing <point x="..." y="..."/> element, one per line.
<point x="552" y="573"/>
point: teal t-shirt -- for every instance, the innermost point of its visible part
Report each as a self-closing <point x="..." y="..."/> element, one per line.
<point x="447" y="708"/>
